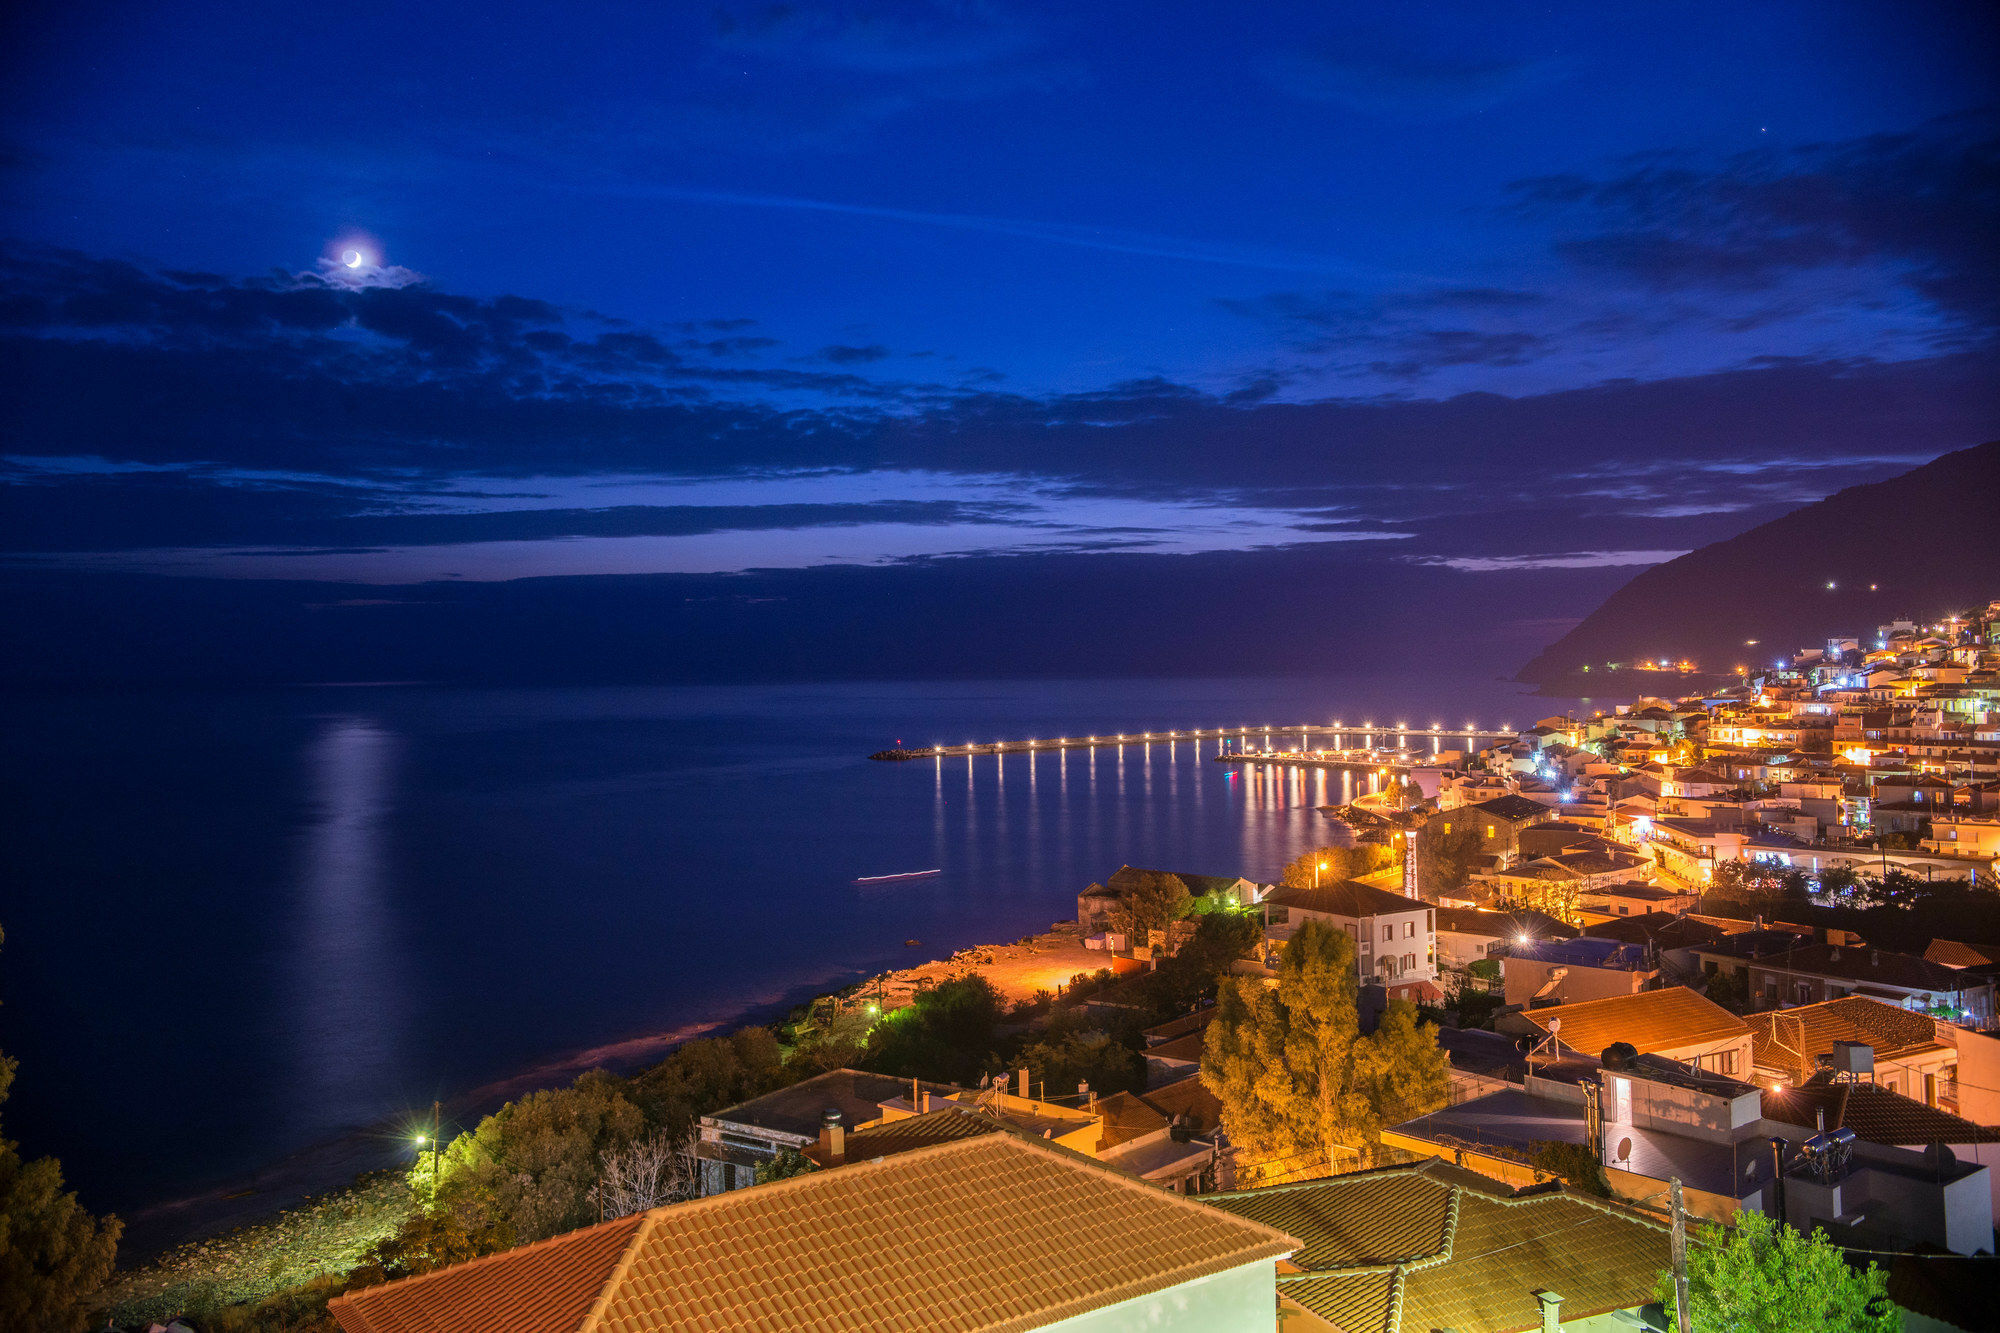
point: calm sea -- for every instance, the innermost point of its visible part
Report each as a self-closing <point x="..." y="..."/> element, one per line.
<point x="240" y="925"/>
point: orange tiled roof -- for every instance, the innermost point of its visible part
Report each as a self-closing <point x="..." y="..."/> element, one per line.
<point x="1789" y="1040"/>
<point x="887" y="1138"/>
<point x="1429" y="1245"/>
<point x="1651" y="1020"/>
<point x="547" y="1287"/>
<point x="977" y="1234"/>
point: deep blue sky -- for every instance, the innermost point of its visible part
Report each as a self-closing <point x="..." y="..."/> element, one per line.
<point x="697" y="288"/>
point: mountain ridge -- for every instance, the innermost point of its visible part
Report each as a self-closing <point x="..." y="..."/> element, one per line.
<point x="1915" y="546"/>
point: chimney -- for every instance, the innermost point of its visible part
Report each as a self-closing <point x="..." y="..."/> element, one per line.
<point x="832" y="1135"/>
<point x="1021" y="1080"/>
<point x="1551" y="1310"/>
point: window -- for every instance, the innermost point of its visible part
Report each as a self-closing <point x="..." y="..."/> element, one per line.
<point x="1489" y="830"/>
<point x="1388" y="932"/>
<point x="1409" y="930"/>
<point x="1409" y="962"/>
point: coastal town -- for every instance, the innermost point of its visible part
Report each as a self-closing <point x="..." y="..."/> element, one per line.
<point x="1544" y="1034"/>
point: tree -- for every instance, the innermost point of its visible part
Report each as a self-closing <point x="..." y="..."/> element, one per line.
<point x="534" y="1164"/>
<point x="1058" y="1063"/>
<point x="1572" y="1163"/>
<point x="1400" y="1069"/>
<point x="1332" y="865"/>
<point x="788" y="1163"/>
<point x="1191" y="976"/>
<point x="428" y="1241"/>
<point x="1150" y="902"/>
<point x="53" y="1254"/>
<point x="946" y="1033"/>
<point x="1446" y="849"/>
<point x="1299" y="1085"/>
<point x="1764" y="1277"/>
<point x="657" y="1169"/>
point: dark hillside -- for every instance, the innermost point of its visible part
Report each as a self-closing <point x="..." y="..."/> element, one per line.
<point x="1915" y="546"/>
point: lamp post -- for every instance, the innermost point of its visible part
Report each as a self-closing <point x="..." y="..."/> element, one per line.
<point x="432" y="1139"/>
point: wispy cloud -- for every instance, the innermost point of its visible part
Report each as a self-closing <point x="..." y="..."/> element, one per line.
<point x="1113" y="239"/>
<point x="1491" y="564"/>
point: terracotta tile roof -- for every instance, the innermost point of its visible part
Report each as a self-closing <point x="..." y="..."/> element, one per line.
<point x="548" y="1287"/>
<point x="796" y="1110"/>
<point x="1669" y="930"/>
<point x="1180" y="1048"/>
<point x="1126" y="1118"/>
<point x="1188" y="1098"/>
<point x="905" y="1135"/>
<point x="1788" y="1040"/>
<point x="1883" y="967"/>
<point x="1651" y="1020"/>
<point x="1349" y="898"/>
<point x="1180" y="1027"/>
<point x="1514" y="809"/>
<point x="1428" y="1246"/>
<point x="1956" y="953"/>
<point x="977" y="1234"/>
<point x="1502" y="925"/>
<point x="1874" y="1113"/>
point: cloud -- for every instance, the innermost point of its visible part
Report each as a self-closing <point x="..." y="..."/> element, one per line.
<point x="272" y="413"/>
<point x="83" y="512"/>
<point x="841" y="355"/>
<point x="334" y="272"/>
<point x="1924" y="203"/>
<point x="1560" y="560"/>
<point x="1404" y="67"/>
<point x="1403" y="335"/>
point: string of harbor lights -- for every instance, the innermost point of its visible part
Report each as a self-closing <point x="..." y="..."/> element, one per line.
<point x="1338" y="728"/>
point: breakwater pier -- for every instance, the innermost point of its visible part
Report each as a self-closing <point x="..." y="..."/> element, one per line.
<point x="1270" y="743"/>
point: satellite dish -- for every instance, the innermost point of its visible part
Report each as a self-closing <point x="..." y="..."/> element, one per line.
<point x="1625" y="1150"/>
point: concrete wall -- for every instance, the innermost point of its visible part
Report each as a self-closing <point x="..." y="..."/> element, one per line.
<point x="1239" y="1301"/>
<point x="1698" y="1115"/>
<point x="1978" y="1076"/>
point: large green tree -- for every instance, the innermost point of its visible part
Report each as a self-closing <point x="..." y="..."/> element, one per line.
<point x="533" y="1164"/>
<point x="1763" y="1277"/>
<point x="1151" y="901"/>
<point x="1301" y="1088"/>
<point x="947" y="1033"/>
<point x="53" y="1254"/>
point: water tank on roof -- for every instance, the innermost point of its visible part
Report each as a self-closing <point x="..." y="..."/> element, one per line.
<point x="1619" y="1055"/>
<point x="1853" y="1058"/>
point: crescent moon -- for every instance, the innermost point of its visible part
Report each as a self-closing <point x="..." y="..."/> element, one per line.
<point x="352" y="259"/>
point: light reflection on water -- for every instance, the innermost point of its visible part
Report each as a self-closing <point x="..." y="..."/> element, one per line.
<point x="347" y="1010"/>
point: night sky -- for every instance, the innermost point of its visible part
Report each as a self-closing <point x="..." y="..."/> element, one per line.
<point x="405" y="292"/>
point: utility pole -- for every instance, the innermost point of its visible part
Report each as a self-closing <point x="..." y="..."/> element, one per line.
<point x="434" y="1153"/>
<point x="1682" y="1319"/>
